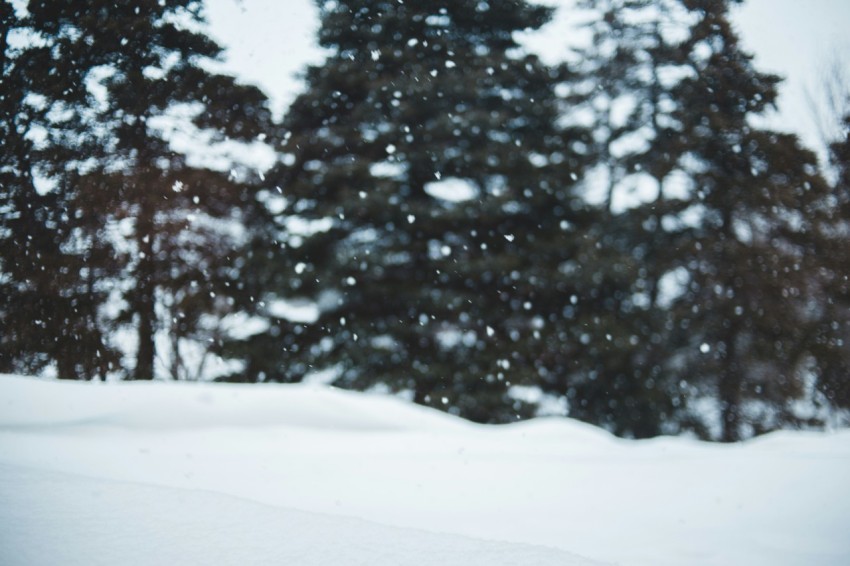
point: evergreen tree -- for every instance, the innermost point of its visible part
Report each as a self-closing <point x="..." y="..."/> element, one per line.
<point x="414" y="163"/>
<point x="702" y="287"/>
<point x="49" y="289"/>
<point x="747" y="302"/>
<point x="132" y="207"/>
<point x="621" y="376"/>
<point x="831" y="333"/>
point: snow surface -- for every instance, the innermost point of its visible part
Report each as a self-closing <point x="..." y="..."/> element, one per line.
<point x="179" y="473"/>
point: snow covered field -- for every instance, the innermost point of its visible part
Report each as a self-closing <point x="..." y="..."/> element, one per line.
<point x="170" y="473"/>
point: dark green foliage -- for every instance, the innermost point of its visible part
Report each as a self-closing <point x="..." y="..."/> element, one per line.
<point x="622" y="376"/>
<point x="420" y="292"/>
<point x="752" y="257"/>
<point x="709" y="288"/>
<point x="440" y="223"/>
<point x="172" y="204"/>
<point x="830" y="337"/>
<point x="50" y="287"/>
<point x="129" y="219"/>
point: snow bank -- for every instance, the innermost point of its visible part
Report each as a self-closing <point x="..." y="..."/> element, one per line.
<point x="148" y="473"/>
<point x="53" y="518"/>
<point x="29" y="402"/>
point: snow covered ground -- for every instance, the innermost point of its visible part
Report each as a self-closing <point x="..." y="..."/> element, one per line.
<point x="165" y="473"/>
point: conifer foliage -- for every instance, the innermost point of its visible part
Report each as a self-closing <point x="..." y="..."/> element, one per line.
<point x="48" y="296"/>
<point x="423" y="143"/>
<point x="449" y="218"/>
<point x="731" y="231"/>
<point x="750" y="256"/>
<point x="127" y="218"/>
<point x="620" y="89"/>
<point x="830" y="335"/>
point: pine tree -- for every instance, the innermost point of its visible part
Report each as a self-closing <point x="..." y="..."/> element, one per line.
<point x="49" y="289"/>
<point x="418" y="289"/>
<point x="830" y="334"/>
<point x="132" y="207"/>
<point x="621" y="376"/>
<point x="747" y="302"/>
<point x="702" y="288"/>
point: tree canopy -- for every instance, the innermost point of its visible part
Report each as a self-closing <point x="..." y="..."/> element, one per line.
<point x="448" y="218"/>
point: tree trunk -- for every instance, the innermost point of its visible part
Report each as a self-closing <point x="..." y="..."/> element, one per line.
<point x="730" y="386"/>
<point x="730" y="390"/>
<point x="145" y="305"/>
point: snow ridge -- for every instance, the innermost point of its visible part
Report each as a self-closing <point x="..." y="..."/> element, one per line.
<point x="200" y="473"/>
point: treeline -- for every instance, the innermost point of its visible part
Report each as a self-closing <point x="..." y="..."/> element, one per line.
<point x="448" y="217"/>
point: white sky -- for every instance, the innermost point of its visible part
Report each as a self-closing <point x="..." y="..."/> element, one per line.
<point x="796" y="39"/>
<point x="270" y="41"/>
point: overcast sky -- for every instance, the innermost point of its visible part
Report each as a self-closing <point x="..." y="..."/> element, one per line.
<point x="270" y="41"/>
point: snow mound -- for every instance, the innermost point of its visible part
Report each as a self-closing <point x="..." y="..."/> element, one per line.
<point x="52" y="518"/>
<point x="153" y="473"/>
<point x="29" y="402"/>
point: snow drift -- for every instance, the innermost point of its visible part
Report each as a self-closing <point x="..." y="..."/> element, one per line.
<point x="152" y="473"/>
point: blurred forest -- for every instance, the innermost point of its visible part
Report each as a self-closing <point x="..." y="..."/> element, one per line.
<point x="448" y="218"/>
